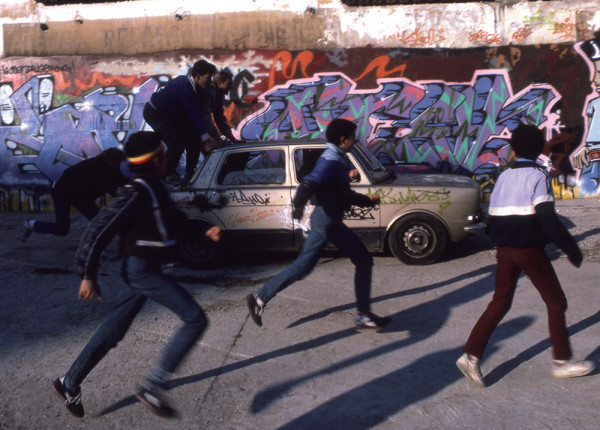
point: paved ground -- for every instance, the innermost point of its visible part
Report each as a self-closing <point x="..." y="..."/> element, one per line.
<point x="307" y="368"/>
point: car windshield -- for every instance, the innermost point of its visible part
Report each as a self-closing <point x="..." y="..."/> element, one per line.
<point x="376" y="171"/>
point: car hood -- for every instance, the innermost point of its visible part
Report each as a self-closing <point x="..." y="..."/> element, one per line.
<point x="435" y="180"/>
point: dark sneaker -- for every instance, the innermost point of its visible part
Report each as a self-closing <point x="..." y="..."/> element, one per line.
<point x="174" y="180"/>
<point x="25" y="232"/>
<point x="255" y="309"/>
<point x="370" y="321"/>
<point x="72" y="403"/>
<point x="155" y="401"/>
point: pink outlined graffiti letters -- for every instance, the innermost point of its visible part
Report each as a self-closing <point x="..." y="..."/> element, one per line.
<point x="452" y="127"/>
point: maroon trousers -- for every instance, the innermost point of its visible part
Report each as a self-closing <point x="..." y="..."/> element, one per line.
<point x="537" y="266"/>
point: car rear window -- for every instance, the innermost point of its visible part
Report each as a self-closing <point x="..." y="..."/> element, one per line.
<point x="253" y="167"/>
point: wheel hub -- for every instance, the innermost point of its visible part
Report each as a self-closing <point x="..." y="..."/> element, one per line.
<point x="417" y="239"/>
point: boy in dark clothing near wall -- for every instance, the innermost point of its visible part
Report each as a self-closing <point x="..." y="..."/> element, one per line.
<point x="522" y="221"/>
<point x="212" y="99"/>
<point x="174" y="113"/>
<point x="329" y="183"/>
<point x="79" y="186"/>
<point x="149" y="225"/>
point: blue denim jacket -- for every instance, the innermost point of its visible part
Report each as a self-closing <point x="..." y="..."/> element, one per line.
<point x="329" y="184"/>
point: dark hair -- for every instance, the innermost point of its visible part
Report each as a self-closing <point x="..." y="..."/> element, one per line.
<point x="141" y="143"/>
<point x="527" y="141"/>
<point x="223" y="75"/>
<point x="339" y="128"/>
<point x="113" y="155"/>
<point x="202" y="67"/>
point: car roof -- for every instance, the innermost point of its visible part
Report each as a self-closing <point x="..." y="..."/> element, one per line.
<point x="266" y="143"/>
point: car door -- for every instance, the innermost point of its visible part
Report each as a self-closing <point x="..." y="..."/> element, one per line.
<point x="256" y="184"/>
<point x="364" y="221"/>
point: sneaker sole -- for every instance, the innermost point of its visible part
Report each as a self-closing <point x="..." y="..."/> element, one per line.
<point x="155" y="411"/>
<point x="573" y="375"/>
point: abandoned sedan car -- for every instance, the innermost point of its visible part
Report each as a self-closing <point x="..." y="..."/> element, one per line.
<point x="247" y="191"/>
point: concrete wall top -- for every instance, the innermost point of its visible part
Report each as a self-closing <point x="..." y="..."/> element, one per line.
<point x="130" y="27"/>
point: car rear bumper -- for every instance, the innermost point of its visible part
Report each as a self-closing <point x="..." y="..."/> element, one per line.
<point x="475" y="228"/>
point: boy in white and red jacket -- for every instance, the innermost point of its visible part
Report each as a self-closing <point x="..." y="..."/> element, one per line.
<point x="522" y="221"/>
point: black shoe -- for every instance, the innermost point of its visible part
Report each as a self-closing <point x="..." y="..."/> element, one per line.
<point x="174" y="180"/>
<point x="72" y="403"/>
<point x="155" y="401"/>
<point x="370" y="321"/>
<point x="25" y="231"/>
<point x="255" y="309"/>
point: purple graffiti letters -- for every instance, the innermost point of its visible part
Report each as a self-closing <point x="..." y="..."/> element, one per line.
<point x="452" y="127"/>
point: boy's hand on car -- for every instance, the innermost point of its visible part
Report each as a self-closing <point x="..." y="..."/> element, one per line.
<point x="375" y="200"/>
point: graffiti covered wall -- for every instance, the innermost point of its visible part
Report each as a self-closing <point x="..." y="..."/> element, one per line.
<point x="443" y="110"/>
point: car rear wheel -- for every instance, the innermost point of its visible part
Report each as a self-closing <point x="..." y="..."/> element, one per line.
<point x="417" y="239"/>
<point x="196" y="249"/>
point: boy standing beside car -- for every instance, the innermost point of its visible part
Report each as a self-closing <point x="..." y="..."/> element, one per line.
<point x="522" y="221"/>
<point x="329" y="187"/>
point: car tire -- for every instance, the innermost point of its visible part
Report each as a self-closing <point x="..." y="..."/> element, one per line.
<point x="417" y="239"/>
<point x="196" y="250"/>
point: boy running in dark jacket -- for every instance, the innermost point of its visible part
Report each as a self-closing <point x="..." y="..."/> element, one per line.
<point x="149" y="225"/>
<point x="79" y="186"/>
<point x="329" y="183"/>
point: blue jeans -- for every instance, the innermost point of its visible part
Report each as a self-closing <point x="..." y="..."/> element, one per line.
<point x="323" y="228"/>
<point x="144" y="281"/>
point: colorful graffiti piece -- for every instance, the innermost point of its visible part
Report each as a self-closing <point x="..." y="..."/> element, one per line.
<point x="452" y="127"/>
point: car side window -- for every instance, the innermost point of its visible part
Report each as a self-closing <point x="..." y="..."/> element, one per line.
<point x="305" y="160"/>
<point x="253" y="167"/>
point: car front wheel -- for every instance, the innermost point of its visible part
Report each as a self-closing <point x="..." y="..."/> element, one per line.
<point x="417" y="239"/>
<point x="196" y="249"/>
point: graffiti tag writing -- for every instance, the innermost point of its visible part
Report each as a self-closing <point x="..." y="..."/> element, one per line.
<point x="419" y="37"/>
<point x="253" y="216"/>
<point x="357" y="213"/>
<point x="522" y="33"/>
<point x="36" y="68"/>
<point x="486" y="38"/>
<point x="238" y="196"/>
<point x="392" y="195"/>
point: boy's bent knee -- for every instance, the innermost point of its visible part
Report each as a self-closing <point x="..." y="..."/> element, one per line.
<point x="198" y="322"/>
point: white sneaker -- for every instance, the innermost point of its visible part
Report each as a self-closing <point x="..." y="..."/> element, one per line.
<point x="571" y="368"/>
<point x="470" y="368"/>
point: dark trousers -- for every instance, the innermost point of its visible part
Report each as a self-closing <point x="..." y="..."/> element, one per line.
<point x="322" y="230"/>
<point x="179" y="135"/>
<point x="62" y="209"/>
<point x="537" y="266"/>
<point x="144" y="280"/>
